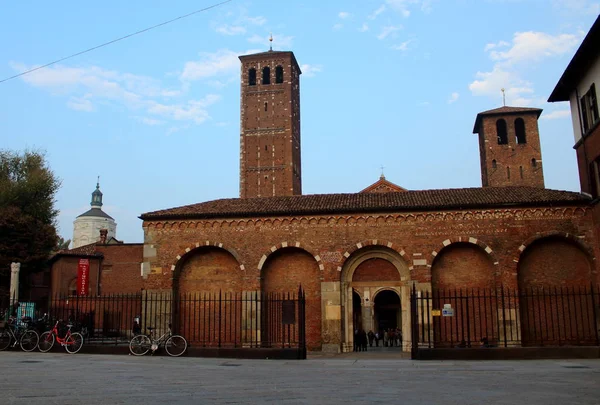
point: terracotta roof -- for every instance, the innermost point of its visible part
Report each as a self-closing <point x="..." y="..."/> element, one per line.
<point x="383" y="186"/>
<point x="81" y="251"/>
<point x="506" y="110"/>
<point x="423" y="200"/>
<point x="579" y="65"/>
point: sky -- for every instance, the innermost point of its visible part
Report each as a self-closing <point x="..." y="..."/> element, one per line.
<point x="386" y="83"/>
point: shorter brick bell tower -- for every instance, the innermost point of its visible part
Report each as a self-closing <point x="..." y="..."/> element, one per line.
<point x="509" y="147"/>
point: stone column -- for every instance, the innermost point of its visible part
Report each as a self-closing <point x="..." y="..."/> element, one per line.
<point x="15" y="268"/>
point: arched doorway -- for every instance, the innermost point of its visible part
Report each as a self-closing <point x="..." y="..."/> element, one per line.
<point x="388" y="311"/>
<point x="368" y="272"/>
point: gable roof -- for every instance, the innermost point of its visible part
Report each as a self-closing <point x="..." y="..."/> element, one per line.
<point x="383" y="186"/>
<point x="505" y="110"/>
<point x="421" y="200"/>
<point x="583" y="58"/>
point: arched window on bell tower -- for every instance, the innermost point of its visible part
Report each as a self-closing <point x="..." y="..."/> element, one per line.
<point x="266" y="79"/>
<point x="501" y="132"/>
<point x="279" y="74"/>
<point x="520" y="131"/>
<point x="252" y="77"/>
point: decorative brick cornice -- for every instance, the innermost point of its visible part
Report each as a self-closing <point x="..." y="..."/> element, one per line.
<point x="519" y="214"/>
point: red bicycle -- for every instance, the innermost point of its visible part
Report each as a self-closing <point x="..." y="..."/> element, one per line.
<point x="72" y="342"/>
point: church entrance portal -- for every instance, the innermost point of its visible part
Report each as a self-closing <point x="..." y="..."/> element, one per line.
<point x="387" y="310"/>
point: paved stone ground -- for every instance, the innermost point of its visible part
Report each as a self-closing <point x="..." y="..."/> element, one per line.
<point x="57" y="378"/>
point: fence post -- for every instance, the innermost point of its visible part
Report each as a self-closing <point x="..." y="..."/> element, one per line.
<point x="504" y="317"/>
<point x="414" y="351"/>
<point x="220" y="316"/>
<point x="595" y="314"/>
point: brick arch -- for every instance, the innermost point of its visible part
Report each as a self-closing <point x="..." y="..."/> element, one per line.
<point x="284" y="245"/>
<point x="198" y="245"/>
<point x="542" y="235"/>
<point x="488" y="250"/>
<point x="374" y="242"/>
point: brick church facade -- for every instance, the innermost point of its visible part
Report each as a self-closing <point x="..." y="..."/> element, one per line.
<point x="358" y="255"/>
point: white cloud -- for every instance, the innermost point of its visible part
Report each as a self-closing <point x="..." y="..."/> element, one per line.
<point x="375" y="13"/>
<point x="584" y="7"/>
<point x="211" y="64"/>
<point x="533" y="46"/>
<point x="423" y="103"/>
<point x="403" y="46"/>
<point x="231" y="29"/>
<point x="453" y="98"/>
<point x="343" y="15"/>
<point x="511" y="63"/>
<point x="81" y="104"/>
<point x="403" y="6"/>
<point x="259" y="20"/>
<point x="337" y="27"/>
<point x="387" y="30"/>
<point x="518" y="91"/>
<point x="193" y="110"/>
<point x="554" y="115"/>
<point x="310" y="70"/>
<point x="364" y="28"/>
<point x="149" y="121"/>
<point x="136" y="93"/>
<point x="493" y="46"/>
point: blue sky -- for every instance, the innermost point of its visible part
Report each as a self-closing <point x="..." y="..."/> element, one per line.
<point x="393" y="83"/>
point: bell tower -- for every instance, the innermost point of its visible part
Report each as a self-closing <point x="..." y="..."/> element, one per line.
<point x="270" y="125"/>
<point x="509" y="147"/>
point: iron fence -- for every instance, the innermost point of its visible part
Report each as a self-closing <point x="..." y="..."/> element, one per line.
<point x="207" y="319"/>
<point x="503" y="317"/>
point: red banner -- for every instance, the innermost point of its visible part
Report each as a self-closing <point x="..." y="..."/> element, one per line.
<point x="83" y="276"/>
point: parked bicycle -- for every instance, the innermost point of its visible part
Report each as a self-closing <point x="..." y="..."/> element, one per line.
<point x="11" y="332"/>
<point x="175" y="345"/>
<point x="72" y="341"/>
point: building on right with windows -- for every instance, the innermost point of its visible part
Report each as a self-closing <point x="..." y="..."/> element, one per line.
<point x="578" y="86"/>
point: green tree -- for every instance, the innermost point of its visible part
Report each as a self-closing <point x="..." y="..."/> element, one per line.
<point x="27" y="213"/>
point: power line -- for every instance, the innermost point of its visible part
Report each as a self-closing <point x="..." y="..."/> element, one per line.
<point x="115" y="40"/>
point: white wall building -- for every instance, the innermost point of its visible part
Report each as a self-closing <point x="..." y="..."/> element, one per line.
<point x="87" y="226"/>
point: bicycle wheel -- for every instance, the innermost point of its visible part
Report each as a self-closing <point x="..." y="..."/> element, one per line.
<point x="46" y="342"/>
<point x="74" y="343"/>
<point x="175" y="345"/>
<point x="29" y="340"/>
<point x="139" y="345"/>
<point x="5" y="338"/>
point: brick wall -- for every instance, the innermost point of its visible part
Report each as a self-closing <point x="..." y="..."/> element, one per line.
<point x="332" y="241"/>
<point x="554" y="262"/>
<point x="210" y="270"/>
<point x="284" y="272"/>
<point x="270" y="121"/>
<point x="120" y="269"/>
<point x="462" y="265"/>
<point x="376" y="270"/>
<point x="513" y="157"/>
<point x="64" y="271"/>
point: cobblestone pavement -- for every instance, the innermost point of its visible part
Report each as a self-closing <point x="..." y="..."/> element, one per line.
<point x="57" y="378"/>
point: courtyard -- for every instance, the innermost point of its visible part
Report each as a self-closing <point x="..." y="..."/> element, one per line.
<point x="57" y="378"/>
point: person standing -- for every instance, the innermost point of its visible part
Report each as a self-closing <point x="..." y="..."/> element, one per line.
<point x="371" y="337"/>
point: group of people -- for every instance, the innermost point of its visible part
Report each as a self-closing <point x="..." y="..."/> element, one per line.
<point x="390" y="337"/>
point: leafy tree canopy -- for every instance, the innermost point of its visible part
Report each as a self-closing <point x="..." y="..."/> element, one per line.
<point x="27" y="213"/>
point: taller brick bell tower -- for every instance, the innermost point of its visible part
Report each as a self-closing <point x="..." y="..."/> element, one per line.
<point x="270" y="125"/>
<point x="509" y="147"/>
